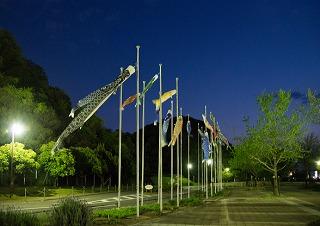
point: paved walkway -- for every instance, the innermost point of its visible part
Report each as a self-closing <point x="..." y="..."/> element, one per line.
<point x="244" y="208"/>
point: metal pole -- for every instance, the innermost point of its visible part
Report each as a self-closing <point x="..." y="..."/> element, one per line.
<point x="160" y="134"/>
<point x="171" y="149"/>
<point x="181" y="160"/>
<point x="177" y="114"/>
<point x="120" y="136"/>
<point x="206" y="165"/>
<point x="198" y="179"/>
<point x="215" y="168"/>
<point x="220" y="169"/>
<point x="11" y="167"/>
<point x="188" y="162"/>
<point x="206" y="162"/>
<point x="137" y="128"/>
<point x="142" y="148"/>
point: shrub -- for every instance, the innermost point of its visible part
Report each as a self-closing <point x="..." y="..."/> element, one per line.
<point x="116" y="213"/>
<point x="15" y="217"/>
<point x="71" y="212"/>
<point x="193" y="201"/>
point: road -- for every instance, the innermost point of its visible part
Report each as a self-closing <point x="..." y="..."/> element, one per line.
<point x="95" y="200"/>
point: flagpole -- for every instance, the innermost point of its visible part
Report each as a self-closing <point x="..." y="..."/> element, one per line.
<point x="202" y="171"/>
<point x="188" y="162"/>
<point x="171" y="149"/>
<point x="137" y="128"/>
<point x="177" y="114"/>
<point x="160" y="125"/>
<point x="198" y="162"/>
<point x="181" y="160"/>
<point x="211" y="166"/>
<point x="215" y="168"/>
<point x="206" y="162"/>
<point x="142" y="148"/>
<point x="120" y="136"/>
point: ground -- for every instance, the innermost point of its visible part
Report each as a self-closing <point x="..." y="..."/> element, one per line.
<point x="243" y="206"/>
<point x="238" y="206"/>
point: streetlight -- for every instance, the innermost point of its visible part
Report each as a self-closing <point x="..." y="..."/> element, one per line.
<point x="189" y="166"/>
<point x="16" y="129"/>
<point x="209" y="161"/>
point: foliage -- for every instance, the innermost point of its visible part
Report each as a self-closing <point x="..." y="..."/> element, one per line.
<point x="86" y="160"/>
<point x="310" y="147"/>
<point x="274" y="141"/>
<point x="242" y="162"/>
<point x="192" y="201"/>
<point x="116" y="213"/>
<point x="71" y="212"/>
<point x="16" y="217"/>
<point x="314" y="107"/>
<point x="22" y="158"/>
<point x="58" y="165"/>
<point x="20" y="104"/>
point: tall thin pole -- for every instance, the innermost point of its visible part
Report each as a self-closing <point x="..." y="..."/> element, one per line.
<point x="206" y="162"/>
<point x="206" y="175"/>
<point x="142" y="148"/>
<point x="177" y="114"/>
<point x="11" y="165"/>
<point x="160" y="134"/>
<point x="171" y="149"/>
<point x="188" y="161"/>
<point x="181" y="160"/>
<point x="198" y="179"/>
<point x="137" y="128"/>
<point x="215" y="168"/>
<point x="120" y="136"/>
<point x="211" y="165"/>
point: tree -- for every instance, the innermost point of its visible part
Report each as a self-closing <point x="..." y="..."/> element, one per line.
<point x="314" y="107"/>
<point x="275" y="138"/>
<point x="23" y="159"/>
<point x="87" y="162"/>
<point x="60" y="164"/>
<point x="242" y="162"/>
<point x="310" y="146"/>
<point x="20" y="104"/>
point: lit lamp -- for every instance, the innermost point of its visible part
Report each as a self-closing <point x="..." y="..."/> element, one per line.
<point x="189" y="166"/>
<point x="15" y="129"/>
<point x="209" y="161"/>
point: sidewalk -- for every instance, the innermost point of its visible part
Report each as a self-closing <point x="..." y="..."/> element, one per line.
<point x="240" y="209"/>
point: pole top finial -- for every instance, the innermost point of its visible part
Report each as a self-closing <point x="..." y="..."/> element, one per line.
<point x="138" y="46"/>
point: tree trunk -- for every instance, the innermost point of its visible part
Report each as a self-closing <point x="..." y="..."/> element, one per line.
<point x="275" y="182"/>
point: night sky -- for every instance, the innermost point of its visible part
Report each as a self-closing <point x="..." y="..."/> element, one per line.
<point x="224" y="52"/>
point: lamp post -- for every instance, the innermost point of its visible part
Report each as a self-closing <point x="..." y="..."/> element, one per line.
<point x="16" y="129"/>
<point x="189" y="166"/>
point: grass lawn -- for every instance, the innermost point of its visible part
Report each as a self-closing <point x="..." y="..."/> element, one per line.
<point x="35" y="193"/>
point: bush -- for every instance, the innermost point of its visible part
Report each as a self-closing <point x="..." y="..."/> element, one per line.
<point x="116" y="213"/>
<point x="71" y="212"/>
<point x="193" y="201"/>
<point x="15" y="217"/>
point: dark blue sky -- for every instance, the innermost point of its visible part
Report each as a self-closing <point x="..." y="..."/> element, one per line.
<point x="224" y="52"/>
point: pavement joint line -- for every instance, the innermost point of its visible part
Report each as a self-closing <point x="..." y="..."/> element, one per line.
<point x="304" y="208"/>
<point x="226" y="212"/>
